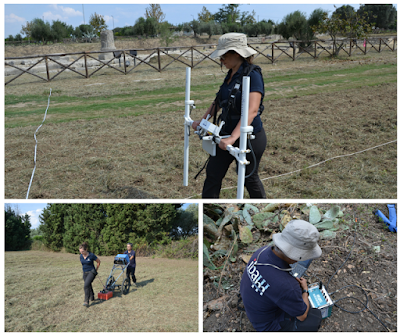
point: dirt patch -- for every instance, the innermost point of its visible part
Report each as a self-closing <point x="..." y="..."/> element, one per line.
<point x="375" y="271"/>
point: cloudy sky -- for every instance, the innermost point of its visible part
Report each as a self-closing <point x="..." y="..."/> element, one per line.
<point x="35" y="209"/>
<point x="121" y="15"/>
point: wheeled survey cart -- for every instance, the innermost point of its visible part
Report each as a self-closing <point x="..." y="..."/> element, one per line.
<point x="121" y="262"/>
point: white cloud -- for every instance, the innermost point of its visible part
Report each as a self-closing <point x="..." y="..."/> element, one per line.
<point x="34" y="217"/>
<point x="12" y="18"/>
<point x="67" y="11"/>
<point x="109" y="19"/>
<point x="49" y="16"/>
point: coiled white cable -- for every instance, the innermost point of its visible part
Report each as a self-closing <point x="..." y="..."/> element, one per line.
<point x="34" y="168"/>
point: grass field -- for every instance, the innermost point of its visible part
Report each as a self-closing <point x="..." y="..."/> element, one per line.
<point x="44" y="292"/>
<point x="115" y="136"/>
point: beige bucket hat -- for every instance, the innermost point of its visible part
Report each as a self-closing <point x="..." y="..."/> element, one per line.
<point x="233" y="41"/>
<point x="298" y="240"/>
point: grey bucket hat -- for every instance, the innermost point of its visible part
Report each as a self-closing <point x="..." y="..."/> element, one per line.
<point x="233" y="41"/>
<point x="298" y="240"/>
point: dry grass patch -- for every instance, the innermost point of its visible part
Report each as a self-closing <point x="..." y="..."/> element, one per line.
<point x="138" y="153"/>
<point x="49" y="296"/>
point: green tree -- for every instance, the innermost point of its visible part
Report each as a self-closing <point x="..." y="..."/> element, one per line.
<point x="205" y="15"/>
<point x="246" y="18"/>
<point x="345" y="11"/>
<point x="382" y="16"/>
<point x="17" y="230"/>
<point x="227" y="14"/>
<point x="97" y="22"/>
<point x="210" y="28"/>
<point x="154" y="11"/>
<point x="140" y="26"/>
<point x="166" y="33"/>
<point x="61" y="30"/>
<point x="195" y="26"/>
<point x="151" y="26"/>
<point x="52" y="225"/>
<point x="41" y="31"/>
<point x="293" y="25"/>
<point x="355" y="26"/>
<point x="186" y="222"/>
<point x="84" y="222"/>
<point x="26" y="30"/>
<point x="36" y="232"/>
<point x="82" y="29"/>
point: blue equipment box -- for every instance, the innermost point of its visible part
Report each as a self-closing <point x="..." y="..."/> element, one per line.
<point x="319" y="298"/>
<point x="121" y="259"/>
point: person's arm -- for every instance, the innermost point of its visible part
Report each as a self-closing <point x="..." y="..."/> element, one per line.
<point x="303" y="285"/>
<point x="213" y="109"/>
<point x="98" y="264"/>
<point x="254" y="105"/>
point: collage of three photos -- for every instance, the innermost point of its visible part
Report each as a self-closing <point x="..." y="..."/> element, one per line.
<point x="236" y="172"/>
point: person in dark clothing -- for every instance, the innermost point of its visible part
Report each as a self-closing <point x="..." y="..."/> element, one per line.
<point x="130" y="270"/>
<point x="273" y="299"/>
<point x="89" y="271"/>
<point x="236" y="56"/>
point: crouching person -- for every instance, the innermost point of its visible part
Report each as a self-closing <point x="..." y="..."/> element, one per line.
<point x="273" y="299"/>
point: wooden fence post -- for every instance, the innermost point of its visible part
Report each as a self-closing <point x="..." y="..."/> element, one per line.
<point x="315" y="49"/>
<point x="47" y="69"/>
<point x="294" y="50"/>
<point x="394" y="43"/>
<point x="191" y="50"/>
<point x="159" y="60"/>
<point x="86" y="68"/>
<point x="351" y="42"/>
<point x="124" y="63"/>
<point x="273" y="46"/>
<point x="380" y="44"/>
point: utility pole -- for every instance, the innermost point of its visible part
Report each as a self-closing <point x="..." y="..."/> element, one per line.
<point x="83" y="12"/>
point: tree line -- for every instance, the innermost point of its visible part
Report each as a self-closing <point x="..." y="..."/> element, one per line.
<point x="228" y="18"/>
<point x="105" y="227"/>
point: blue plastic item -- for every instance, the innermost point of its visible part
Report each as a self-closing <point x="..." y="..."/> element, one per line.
<point x="392" y="221"/>
<point x="122" y="259"/>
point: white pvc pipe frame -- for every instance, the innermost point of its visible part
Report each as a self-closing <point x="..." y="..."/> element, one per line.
<point x="238" y="153"/>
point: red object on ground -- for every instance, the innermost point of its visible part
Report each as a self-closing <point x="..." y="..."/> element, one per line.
<point x="105" y="296"/>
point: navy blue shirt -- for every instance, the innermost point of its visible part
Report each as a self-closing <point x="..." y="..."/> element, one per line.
<point x="268" y="293"/>
<point x="256" y="85"/>
<point x="132" y="262"/>
<point x="87" y="264"/>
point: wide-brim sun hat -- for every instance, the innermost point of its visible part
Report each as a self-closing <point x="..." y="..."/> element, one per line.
<point x="298" y="240"/>
<point x="233" y="41"/>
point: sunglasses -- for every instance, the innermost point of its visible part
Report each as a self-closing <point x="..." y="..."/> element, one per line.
<point x="223" y="57"/>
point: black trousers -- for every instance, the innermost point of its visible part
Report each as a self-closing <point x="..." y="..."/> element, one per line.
<point x="311" y="323"/>
<point x="88" y="277"/>
<point x="130" y="272"/>
<point x="218" y="166"/>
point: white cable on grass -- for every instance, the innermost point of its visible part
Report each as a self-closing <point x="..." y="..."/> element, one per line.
<point x="314" y="165"/>
<point x="34" y="168"/>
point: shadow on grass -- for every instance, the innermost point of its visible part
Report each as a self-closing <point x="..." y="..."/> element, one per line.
<point x="144" y="283"/>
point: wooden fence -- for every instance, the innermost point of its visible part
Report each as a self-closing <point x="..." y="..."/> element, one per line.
<point x="291" y="49"/>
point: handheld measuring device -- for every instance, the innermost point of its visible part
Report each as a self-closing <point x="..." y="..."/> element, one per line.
<point x="320" y="299"/>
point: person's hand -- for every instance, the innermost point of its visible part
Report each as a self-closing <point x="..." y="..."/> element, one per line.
<point x="195" y="124"/>
<point x="131" y="257"/>
<point x="225" y="142"/>
<point x="94" y="271"/>
<point x="303" y="283"/>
